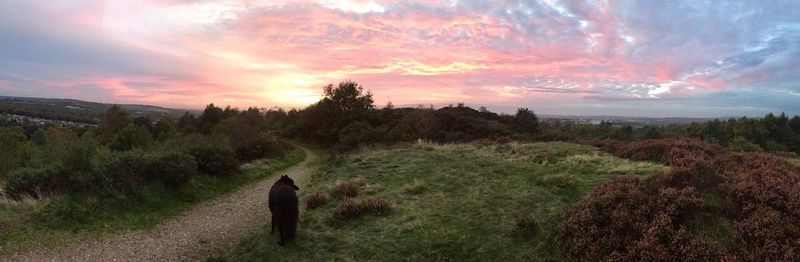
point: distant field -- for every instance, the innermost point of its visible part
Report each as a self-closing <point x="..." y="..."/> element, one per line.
<point x="451" y="202"/>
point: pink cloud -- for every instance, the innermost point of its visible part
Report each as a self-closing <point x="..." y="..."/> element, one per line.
<point x="264" y="53"/>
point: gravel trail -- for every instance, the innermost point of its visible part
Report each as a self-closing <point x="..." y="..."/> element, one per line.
<point x="193" y="235"/>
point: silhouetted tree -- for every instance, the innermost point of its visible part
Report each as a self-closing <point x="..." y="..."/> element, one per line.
<point x="526" y="120"/>
<point x="211" y="116"/>
<point x="131" y="137"/>
<point x="164" y="129"/>
<point x="341" y="105"/>
<point x="187" y="123"/>
<point x="115" y="120"/>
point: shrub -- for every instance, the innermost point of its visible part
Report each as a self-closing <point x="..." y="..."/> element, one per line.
<point x="762" y="200"/>
<point x="131" y="137"/>
<point x="356" y="134"/>
<point x="608" y="220"/>
<point x="315" y="200"/>
<point x="120" y="171"/>
<point x="215" y="161"/>
<point x="351" y="208"/>
<point x="260" y="147"/>
<point x="767" y="234"/>
<point x="741" y="144"/>
<point x="345" y="189"/>
<point x="33" y="182"/>
<point x="171" y="168"/>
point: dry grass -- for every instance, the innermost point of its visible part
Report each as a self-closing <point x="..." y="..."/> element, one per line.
<point x="345" y="189"/>
<point x="315" y="200"/>
<point x="417" y="187"/>
<point x="351" y="208"/>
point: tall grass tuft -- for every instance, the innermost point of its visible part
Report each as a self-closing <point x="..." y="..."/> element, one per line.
<point x="315" y="200"/>
<point x="352" y="208"/>
<point x="345" y="189"/>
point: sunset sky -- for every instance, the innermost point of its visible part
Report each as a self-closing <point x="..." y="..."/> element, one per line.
<point x="645" y="58"/>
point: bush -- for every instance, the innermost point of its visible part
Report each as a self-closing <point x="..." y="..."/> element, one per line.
<point x="33" y="182"/>
<point x="741" y="144"/>
<point x="260" y="147"/>
<point x="171" y="168"/>
<point x="762" y="200"/>
<point x="345" y="189"/>
<point x="351" y="208"/>
<point x="215" y="161"/>
<point x="131" y="137"/>
<point x="120" y="172"/>
<point x="315" y="200"/>
<point x="607" y="221"/>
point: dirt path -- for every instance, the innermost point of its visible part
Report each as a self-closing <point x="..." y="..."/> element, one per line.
<point x="214" y="225"/>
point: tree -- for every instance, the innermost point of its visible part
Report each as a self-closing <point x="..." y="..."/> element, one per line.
<point x="652" y="132"/>
<point x="341" y="105"/>
<point x="164" y="129"/>
<point x="187" y="123"/>
<point x="144" y="121"/>
<point x="131" y="137"/>
<point x="115" y="120"/>
<point x="211" y="116"/>
<point x="527" y="121"/>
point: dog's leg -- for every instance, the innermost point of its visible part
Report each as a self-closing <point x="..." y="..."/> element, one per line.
<point x="283" y="235"/>
<point x="272" y="231"/>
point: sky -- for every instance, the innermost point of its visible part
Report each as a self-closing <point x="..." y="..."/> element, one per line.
<point x="633" y="58"/>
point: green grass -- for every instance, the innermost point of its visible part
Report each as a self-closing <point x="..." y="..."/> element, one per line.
<point x="34" y="222"/>
<point x="793" y="160"/>
<point x="451" y="202"/>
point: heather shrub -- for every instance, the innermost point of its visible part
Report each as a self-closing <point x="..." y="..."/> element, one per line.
<point x="662" y="241"/>
<point x="767" y="234"/>
<point x="761" y="199"/>
<point x="315" y="200"/>
<point x="608" y="220"/>
<point x="622" y="220"/>
<point x="345" y="189"/>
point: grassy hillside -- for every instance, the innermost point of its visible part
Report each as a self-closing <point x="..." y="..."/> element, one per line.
<point x="449" y="202"/>
<point x="76" y="110"/>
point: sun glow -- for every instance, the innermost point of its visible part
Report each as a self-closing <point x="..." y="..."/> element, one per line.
<point x="294" y="96"/>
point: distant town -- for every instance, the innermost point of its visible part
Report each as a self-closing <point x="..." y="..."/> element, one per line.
<point x="27" y="120"/>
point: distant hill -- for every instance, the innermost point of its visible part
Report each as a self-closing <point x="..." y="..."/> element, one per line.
<point x="77" y="110"/>
<point x="635" y="121"/>
<point x="91" y="112"/>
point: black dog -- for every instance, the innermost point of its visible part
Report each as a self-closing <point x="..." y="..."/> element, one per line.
<point x="283" y="205"/>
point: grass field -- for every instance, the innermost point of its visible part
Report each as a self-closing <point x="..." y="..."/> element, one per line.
<point x="37" y="222"/>
<point x="450" y="202"/>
